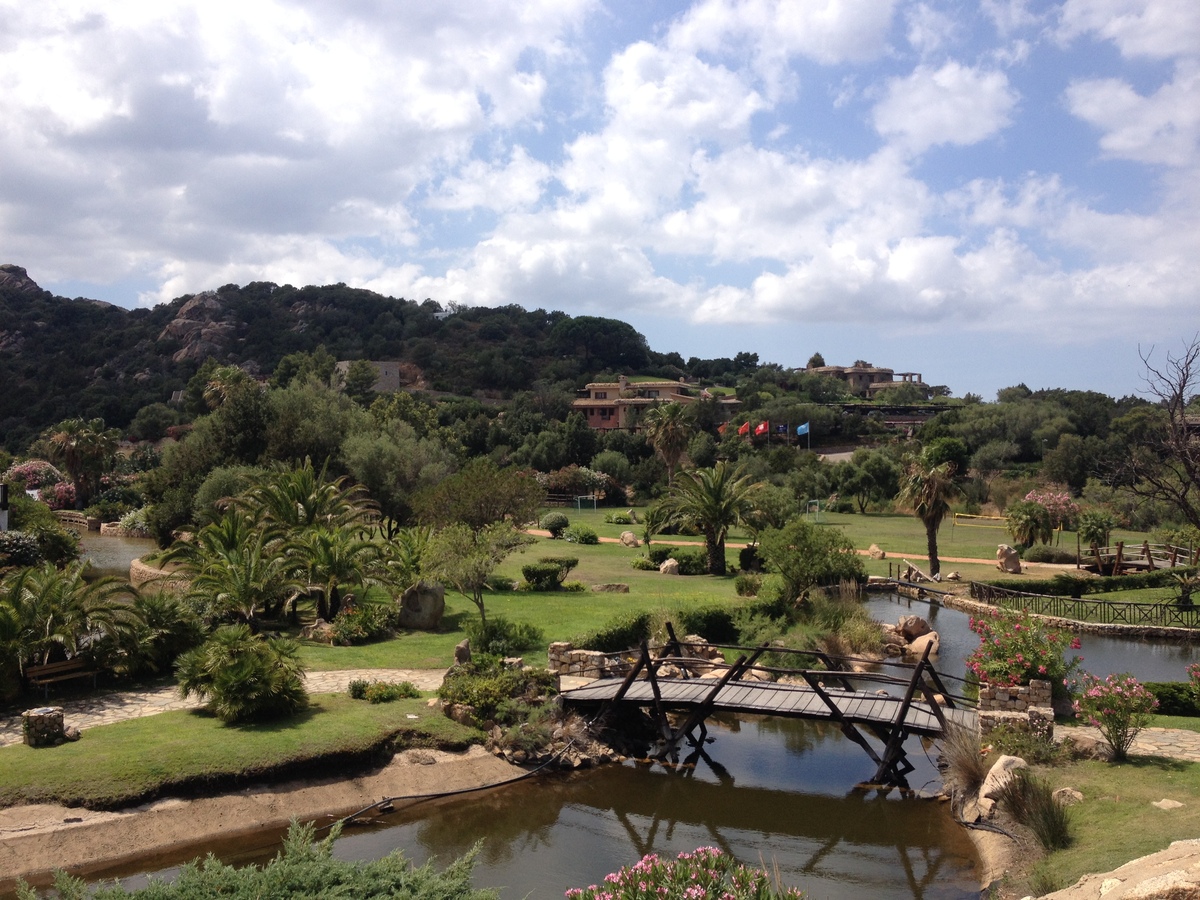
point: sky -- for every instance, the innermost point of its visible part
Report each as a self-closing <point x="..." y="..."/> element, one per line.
<point x="988" y="192"/>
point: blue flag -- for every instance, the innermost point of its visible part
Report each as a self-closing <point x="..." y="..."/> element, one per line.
<point x="802" y="429"/>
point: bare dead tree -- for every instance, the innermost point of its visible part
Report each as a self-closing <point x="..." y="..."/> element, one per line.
<point x="1166" y="466"/>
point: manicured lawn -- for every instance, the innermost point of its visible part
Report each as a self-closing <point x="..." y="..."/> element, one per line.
<point x="138" y="757"/>
<point x="560" y="615"/>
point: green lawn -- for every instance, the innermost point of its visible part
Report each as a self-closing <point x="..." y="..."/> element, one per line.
<point x="130" y="760"/>
<point x="1115" y="823"/>
<point x="560" y="615"/>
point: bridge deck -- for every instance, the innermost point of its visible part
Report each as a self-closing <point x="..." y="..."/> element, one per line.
<point x="772" y="699"/>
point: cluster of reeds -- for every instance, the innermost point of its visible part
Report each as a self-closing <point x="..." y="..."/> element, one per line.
<point x="1031" y="801"/>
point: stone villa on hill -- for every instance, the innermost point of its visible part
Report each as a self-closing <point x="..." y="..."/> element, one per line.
<point x="614" y="404"/>
<point x="867" y="380"/>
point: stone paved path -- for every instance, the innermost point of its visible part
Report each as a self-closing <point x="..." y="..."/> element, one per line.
<point x="117" y="706"/>
<point x="1169" y="742"/>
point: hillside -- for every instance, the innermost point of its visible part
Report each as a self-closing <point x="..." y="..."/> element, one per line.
<point x="63" y="357"/>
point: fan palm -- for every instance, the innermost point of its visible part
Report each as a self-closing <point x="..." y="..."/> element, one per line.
<point x="927" y="490"/>
<point x="244" y="677"/>
<point x="302" y="497"/>
<point x="330" y="559"/>
<point x="714" y="500"/>
<point x="59" y="609"/>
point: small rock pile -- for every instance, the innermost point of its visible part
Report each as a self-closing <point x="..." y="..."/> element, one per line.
<point x="909" y="637"/>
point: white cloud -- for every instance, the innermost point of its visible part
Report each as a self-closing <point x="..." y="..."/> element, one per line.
<point x="500" y="188"/>
<point x="929" y="29"/>
<point x="950" y="105"/>
<point x="1159" y="29"/>
<point x="1161" y="128"/>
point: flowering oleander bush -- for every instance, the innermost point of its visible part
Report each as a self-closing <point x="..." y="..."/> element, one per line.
<point x="1063" y="510"/>
<point x="1016" y="647"/>
<point x="34" y="473"/>
<point x="1118" y="705"/>
<point x="704" y="874"/>
<point x="1194" y="677"/>
<point x="58" y="496"/>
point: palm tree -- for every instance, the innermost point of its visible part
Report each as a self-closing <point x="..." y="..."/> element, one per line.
<point x="927" y="490"/>
<point x="669" y="428"/>
<point x="84" y="449"/>
<point x="299" y="498"/>
<point x="1029" y="523"/>
<point x="58" y="611"/>
<point x="237" y="570"/>
<point x="330" y="559"/>
<point x="713" y="500"/>
<point x="243" y="677"/>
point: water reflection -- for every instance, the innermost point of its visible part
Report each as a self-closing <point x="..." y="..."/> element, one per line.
<point x="111" y="555"/>
<point x="773" y="791"/>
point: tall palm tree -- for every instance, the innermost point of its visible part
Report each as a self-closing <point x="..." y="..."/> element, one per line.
<point x="84" y="449"/>
<point x="927" y="490"/>
<point x="713" y="500"/>
<point x="303" y="497"/>
<point x="669" y="428"/>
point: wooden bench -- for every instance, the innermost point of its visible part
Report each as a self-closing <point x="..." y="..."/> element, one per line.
<point x="69" y="669"/>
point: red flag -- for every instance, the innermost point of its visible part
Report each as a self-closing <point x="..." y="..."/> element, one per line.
<point x="721" y="428"/>
<point x="745" y="429"/>
<point x="763" y="428"/>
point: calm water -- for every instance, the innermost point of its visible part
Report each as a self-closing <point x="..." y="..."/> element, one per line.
<point x="1145" y="660"/>
<point x="113" y="555"/>
<point x="777" y="791"/>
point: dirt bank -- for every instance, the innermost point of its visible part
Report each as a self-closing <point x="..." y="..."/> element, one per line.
<point x="36" y="839"/>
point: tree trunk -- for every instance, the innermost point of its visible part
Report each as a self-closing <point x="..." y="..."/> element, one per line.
<point x="935" y="565"/>
<point x="335" y="602"/>
<point x="716" y="554"/>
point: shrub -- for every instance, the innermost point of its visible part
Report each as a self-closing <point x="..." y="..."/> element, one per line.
<point x="1118" y="705"/>
<point x="58" y="496"/>
<point x="136" y="523"/>
<point x="1031" y="802"/>
<point x="707" y="872"/>
<point x="549" y="572"/>
<point x="555" y="523"/>
<point x="501" y="583"/>
<point x="1044" y="553"/>
<point x="500" y="637"/>
<point x="244" y="678"/>
<point x="581" y="534"/>
<point x="1016" y="647"/>
<point x="1036" y="749"/>
<point x="364" y="621"/>
<point x="748" y="560"/>
<point x="382" y="691"/>
<point x="164" y="627"/>
<point x="19" y="549"/>
<point x="1177" y="698"/>
<point x="485" y="683"/>
<point x="621" y="633"/>
<point x="574" y="587"/>
<point x="747" y="585"/>
<point x="57" y="545"/>
<point x="643" y="564"/>
<point x="617" y="518"/>
<point x="712" y="621"/>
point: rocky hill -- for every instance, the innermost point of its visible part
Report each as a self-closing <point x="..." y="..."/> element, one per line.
<point x="61" y="357"/>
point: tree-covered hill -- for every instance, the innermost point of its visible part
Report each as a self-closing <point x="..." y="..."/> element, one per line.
<point x="61" y="358"/>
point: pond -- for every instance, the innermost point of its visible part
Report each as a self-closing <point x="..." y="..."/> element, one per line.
<point x="110" y="555"/>
<point x="1146" y="660"/>
<point x="776" y="791"/>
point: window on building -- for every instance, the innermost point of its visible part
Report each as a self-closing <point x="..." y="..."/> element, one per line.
<point x="601" y="395"/>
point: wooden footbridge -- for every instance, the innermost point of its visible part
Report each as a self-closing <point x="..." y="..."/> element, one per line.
<point x="1123" y="558"/>
<point x="826" y="694"/>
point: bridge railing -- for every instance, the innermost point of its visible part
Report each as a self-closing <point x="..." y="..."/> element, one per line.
<point x="1088" y="609"/>
<point x="850" y="672"/>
